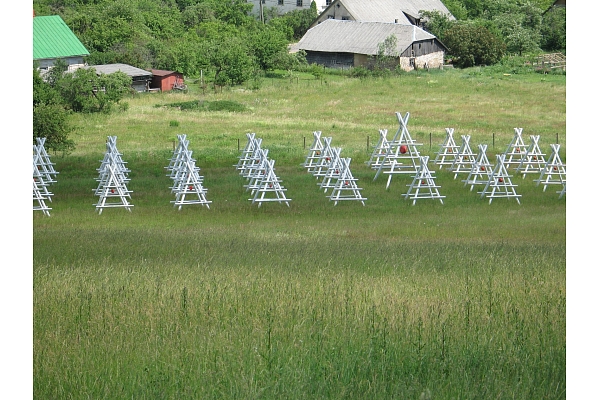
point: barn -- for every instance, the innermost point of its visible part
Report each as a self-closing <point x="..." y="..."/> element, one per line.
<point x="165" y="80"/>
<point x="343" y="44"/>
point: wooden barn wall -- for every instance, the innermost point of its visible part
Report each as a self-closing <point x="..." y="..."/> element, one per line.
<point x="331" y="60"/>
<point x="422" y="48"/>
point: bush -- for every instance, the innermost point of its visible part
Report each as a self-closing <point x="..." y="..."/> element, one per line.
<point x="50" y="122"/>
<point x="473" y="45"/>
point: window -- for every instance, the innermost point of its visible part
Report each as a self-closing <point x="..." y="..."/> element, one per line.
<point x="327" y="2"/>
<point x="345" y="18"/>
<point x="329" y="16"/>
<point x="298" y="3"/>
<point x="280" y="2"/>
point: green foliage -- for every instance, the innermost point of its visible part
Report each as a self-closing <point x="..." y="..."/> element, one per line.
<point x="205" y="105"/>
<point x="473" y="45"/>
<point x="437" y="23"/>
<point x="229" y="58"/>
<point x="554" y="30"/>
<point x="267" y="44"/>
<point x="298" y="21"/>
<point x="51" y="121"/>
<point x="85" y="91"/>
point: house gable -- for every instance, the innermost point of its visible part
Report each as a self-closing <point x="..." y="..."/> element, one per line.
<point x="393" y="11"/>
<point x="53" y="39"/>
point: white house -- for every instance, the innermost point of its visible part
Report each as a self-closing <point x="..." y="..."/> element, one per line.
<point x="284" y="6"/>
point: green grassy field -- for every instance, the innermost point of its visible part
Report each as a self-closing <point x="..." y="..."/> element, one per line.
<point x="461" y="300"/>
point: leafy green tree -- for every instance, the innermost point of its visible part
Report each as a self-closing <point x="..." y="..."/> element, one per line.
<point x="298" y="20"/>
<point x="472" y="45"/>
<point x="553" y="31"/>
<point x="457" y="8"/>
<point x="85" y="91"/>
<point x="50" y="119"/>
<point x="229" y="58"/>
<point x="437" y="23"/>
<point x="266" y="43"/>
<point x="387" y="53"/>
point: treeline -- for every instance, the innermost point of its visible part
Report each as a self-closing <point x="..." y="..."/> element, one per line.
<point x="183" y="35"/>
<point x="223" y="38"/>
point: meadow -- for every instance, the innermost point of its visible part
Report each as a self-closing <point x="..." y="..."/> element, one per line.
<point x="460" y="300"/>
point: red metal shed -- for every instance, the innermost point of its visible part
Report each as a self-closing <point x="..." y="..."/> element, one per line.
<point x="165" y="80"/>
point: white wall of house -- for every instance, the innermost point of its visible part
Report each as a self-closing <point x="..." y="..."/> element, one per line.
<point x="284" y="6"/>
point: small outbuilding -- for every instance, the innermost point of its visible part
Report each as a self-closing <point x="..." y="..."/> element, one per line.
<point x="165" y="80"/>
<point x="140" y="79"/>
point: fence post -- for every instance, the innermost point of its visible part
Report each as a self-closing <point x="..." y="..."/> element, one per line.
<point x="238" y="144"/>
<point x="304" y="144"/>
<point x="493" y="139"/>
<point x="556" y="137"/>
<point x="367" y="143"/>
<point x="429" y="141"/>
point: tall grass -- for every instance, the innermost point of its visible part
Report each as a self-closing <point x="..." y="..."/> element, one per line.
<point x="461" y="300"/>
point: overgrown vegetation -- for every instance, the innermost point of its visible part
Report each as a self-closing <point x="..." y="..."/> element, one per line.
<point x="202" y="105"/>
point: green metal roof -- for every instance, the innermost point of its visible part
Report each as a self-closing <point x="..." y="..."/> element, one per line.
<point x="52" y="38"/>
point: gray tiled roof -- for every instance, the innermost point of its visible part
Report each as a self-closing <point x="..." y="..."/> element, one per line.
<point x="358" y="37"/>
<point x="390" y="10"/>
<point x="128" y="69"/>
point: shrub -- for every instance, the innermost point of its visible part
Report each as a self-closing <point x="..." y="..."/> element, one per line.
<point x="473" y="45"/>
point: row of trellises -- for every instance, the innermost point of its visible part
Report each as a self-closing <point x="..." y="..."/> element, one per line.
<point x="400" y="156"/>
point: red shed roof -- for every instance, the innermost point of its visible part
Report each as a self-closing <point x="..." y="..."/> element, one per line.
<point x="160" y="72"/>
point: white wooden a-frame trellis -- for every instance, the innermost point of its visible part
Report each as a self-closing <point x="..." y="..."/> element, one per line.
<point x="500" y="184"/>
<point x="334" y="170"/>
<point x="188" y="187"/>
<point x="534" y="160"/>
<point x="379" y="151"/>
<point x="516" y="150"/>
<point x="248" y="152"/>
<point x="256" y="172"/>
<point x="346" y="187"/>
<point x="40" y="192"/>
<point x="179" y="156"/>
<point x="448" y="149"/>
<point x="270" y="185"/>
<point x="563" y="191"/>
<point x="554" y="171"/>
<point x="465" y="158"/>
<point x="324" y="160"/>
<point x="314" y="153"/>
<point x="423" y="185"/>
<point x="402" y="147"/>
<point x="41" y="159"/>
<point x="482" y="169"/>
<point x="112" y="187"/>
<point x="254" y="161"/>
<point x="187" y="181"/>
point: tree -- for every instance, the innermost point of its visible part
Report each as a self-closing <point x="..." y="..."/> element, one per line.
<point x="85" y="91"/>
<point x="387" y="53"/>
<point x="554" y="30"/>
<point x="436" y="23"/>
<point x="473" y="45"/>
<point x="229" y="58"/>
<point x="50" y="119"/>
<point x="266" y="43"/>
